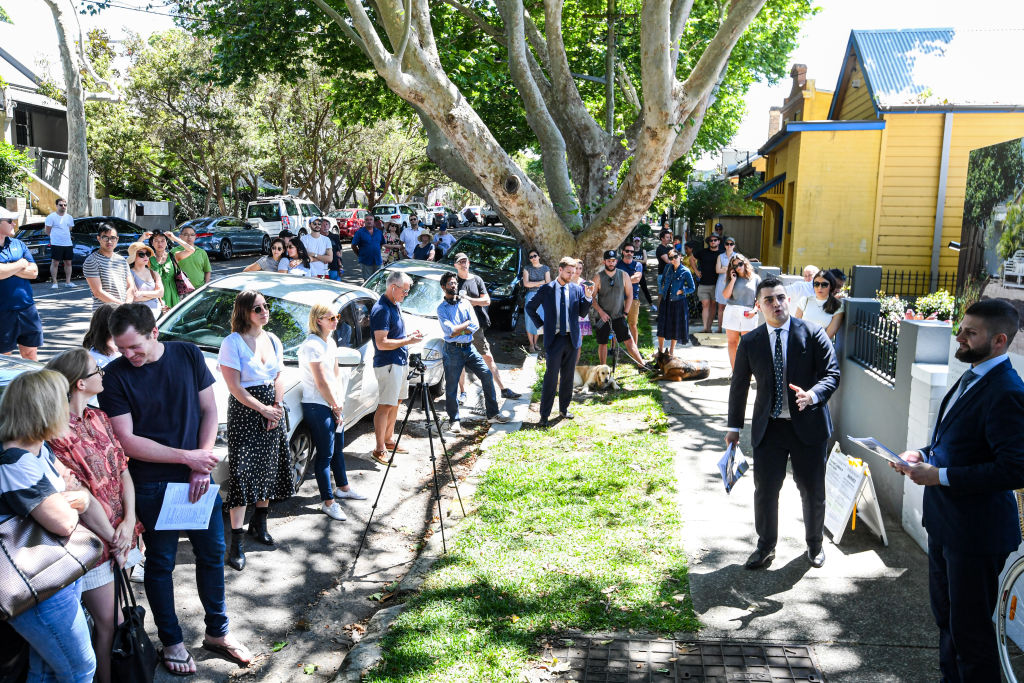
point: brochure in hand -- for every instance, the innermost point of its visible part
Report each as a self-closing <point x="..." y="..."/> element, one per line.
<point x="732" y="465"/>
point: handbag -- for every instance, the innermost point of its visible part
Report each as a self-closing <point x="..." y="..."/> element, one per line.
<point x="36" y="563"/>
<point x="133" y="658"/>
<point x="181" y="281"/>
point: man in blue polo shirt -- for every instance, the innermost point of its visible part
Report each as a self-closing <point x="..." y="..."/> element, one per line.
<point x="459" y="323"/>
<point x="20" y="327"/>
<point x="367" y="243"/>
<point x="390" y="361"/>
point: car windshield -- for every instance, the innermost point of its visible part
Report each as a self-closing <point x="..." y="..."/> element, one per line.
<point x="424" y="295"/>
<point x="205" y="320"/>
<point x="486" y="254"/>
<point x="268" y="212"/>
<point x="384" y="210"/>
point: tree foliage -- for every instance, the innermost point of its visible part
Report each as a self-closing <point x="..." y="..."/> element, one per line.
<point x="14" y="165"/>
<point x="995" y="173"/>
<point x="719" y="198"/>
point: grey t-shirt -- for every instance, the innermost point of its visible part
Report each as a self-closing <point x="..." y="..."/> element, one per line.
<point x="112" y="272"/>
<point x="611" y="293"/>
<point x="743" y="291"/>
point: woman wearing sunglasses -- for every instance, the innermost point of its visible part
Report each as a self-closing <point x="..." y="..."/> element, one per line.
<point x="673" y="314"/>
<point x="296" y="259"/>
<point x="722" y="268"/>
<point x="149" y="288"/>
<point x="259" y="463"/>
<point x="824" y="308"/>
<point x="94" y="457"/>
<point x="535" y="276"/>
<point x="272" y="261"/>
<point x="322" y="402"/>
<point x="740" y="293"/>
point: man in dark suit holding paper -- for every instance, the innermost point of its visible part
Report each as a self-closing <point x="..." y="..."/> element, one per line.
<point x="974" y="461"/>
<point x="562" y="302"/>
<point x="796" y="371"/>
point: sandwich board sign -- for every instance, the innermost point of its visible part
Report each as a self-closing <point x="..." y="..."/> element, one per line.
<point x="850" y="491"/>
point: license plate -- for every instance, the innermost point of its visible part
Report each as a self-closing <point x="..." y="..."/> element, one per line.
<point x="37" y="251"/>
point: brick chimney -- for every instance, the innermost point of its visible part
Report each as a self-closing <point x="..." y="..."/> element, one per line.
<point x="774" y="120"/>
<point x="799" y="75"/>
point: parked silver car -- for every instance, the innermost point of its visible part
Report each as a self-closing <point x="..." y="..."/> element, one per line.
<point x="226" y="236"/>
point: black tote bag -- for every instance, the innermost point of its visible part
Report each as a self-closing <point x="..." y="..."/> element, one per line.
<point x="132" y="656"/>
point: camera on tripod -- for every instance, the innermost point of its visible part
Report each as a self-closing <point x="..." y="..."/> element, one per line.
<point x="416" y="362"/>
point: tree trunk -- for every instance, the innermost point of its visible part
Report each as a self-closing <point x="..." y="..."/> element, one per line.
<point x="78" y="151"/>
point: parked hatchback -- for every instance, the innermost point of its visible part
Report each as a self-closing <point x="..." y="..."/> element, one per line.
<point x="274" y="214"/>
<point x="349" y="220"/>
<point x="225" y="236"/>
<point x="394" y="213"/>
<point x="83" y="239"/>
<point x="499" y="261"/>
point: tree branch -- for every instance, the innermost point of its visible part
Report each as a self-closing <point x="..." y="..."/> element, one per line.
<point x="552" y="144"/>
<point x="537" y="41"/>
<point x="475" y="17"/>
<point x="680" y="13"/>
<point x="351" y="34"/>
<point x="406" y="32"/>
<point x="626" y="85"/>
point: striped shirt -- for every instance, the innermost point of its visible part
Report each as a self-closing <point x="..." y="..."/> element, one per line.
<point x="112" y="272"/>
<point x="26" y="480"/>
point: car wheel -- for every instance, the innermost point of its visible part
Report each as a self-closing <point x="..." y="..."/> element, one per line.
<point x="265" y="247"/>
<point x="437" y="390"/>
<point x="301" y="450"/>
<point x="225" y="250"/>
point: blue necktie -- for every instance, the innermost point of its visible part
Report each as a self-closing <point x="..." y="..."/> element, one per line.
<point x="563" y="313"/>
<point x="779" y="395"/>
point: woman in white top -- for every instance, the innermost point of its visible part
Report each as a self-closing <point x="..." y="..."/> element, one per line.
<point x="722" y="268"/>
<point x="149" y="289"/>
<point x="296" y="260"/>
<point x="259" y="463"/>
<point x="824" y="308"/>
<point x="322" y="403"/>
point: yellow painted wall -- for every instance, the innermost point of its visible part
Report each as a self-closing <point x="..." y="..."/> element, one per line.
<point x="833" y="216"/>
<point x="816" y="107"/>
<point x="856" y="101"/>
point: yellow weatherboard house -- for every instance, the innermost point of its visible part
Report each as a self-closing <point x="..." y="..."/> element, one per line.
<point x="875" y="173"/>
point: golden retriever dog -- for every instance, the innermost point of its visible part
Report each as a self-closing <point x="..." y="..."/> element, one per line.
<point x="675" y="369"/>
<point x="594" y="378"/>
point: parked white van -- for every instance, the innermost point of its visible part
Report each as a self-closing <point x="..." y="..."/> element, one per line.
<point x="284" y="212"/>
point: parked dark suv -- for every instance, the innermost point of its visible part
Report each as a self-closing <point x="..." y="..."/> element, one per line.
<point x="499" y="260"/>
<point x="83" y="238"/>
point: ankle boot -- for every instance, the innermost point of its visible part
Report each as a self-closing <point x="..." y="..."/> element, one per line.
<point x="258" y="527"/>
<point x="236" y="553"/>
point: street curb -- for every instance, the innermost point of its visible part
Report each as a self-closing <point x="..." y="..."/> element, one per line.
<point x="367" y="653"/>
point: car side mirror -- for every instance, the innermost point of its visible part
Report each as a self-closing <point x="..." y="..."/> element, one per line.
<point x="349" y="358"/>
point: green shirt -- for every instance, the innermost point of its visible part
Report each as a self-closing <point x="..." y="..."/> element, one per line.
<point x="165" y="271"/>
<point x="195" y="266"/>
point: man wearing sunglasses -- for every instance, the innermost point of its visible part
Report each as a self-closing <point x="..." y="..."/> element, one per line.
<point x="107" y="272"/>
<point x="21" y="328"/>
<point x="58" y="226"/>
<point x="796" y="371"/>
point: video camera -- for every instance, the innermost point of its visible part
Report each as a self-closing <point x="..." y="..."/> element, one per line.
<point x="416" y="362"/>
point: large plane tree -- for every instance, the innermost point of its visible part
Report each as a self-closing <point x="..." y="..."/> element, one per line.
<point x="489" y="78"/>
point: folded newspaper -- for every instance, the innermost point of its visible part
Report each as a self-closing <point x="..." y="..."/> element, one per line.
<point x="878" y="448"/>
<point x="732" y="466"/>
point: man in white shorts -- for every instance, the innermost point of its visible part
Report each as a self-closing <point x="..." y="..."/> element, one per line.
<point x="390" y="361"/>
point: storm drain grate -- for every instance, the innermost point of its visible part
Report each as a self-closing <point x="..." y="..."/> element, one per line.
<point x="620" y="660"/>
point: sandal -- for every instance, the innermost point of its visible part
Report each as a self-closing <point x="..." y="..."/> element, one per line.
<point x="232" y="652"/>
<point x="391" y="447"/>
<point x="381" y="457"/>
<point x="165" y="659"/>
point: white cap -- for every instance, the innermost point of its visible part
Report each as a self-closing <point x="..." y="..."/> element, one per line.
<point x="4" y="213"/>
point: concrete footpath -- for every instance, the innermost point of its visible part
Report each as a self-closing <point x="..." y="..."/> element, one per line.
<point x="865" y="613"/>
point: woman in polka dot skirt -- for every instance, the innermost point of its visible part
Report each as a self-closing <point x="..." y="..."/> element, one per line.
<point x="251" y="360"/>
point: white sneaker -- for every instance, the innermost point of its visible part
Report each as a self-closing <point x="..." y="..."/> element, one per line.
<point x="138" y="573"/>
<point x="72" y="284"/>
<point x="55" y="286"/>
<point x="351" y="494"/>
<point x="499" y="419"/>
<point x="455" y="428"/>
<point x="334" y="511"/>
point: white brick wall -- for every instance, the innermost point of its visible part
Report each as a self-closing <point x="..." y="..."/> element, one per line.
<point x="927" y="387"/>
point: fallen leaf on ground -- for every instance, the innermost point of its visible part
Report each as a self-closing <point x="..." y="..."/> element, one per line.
<point x="609" y="589"/>
<point x="514" y="618"/>
<point x="279" y="646"/>
<point x="310" y="669"/>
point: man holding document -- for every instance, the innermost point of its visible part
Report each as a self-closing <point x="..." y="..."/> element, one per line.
<point x="974" y="461"/>
<point x="159" y="397"/>
<point x="796" y="372"/>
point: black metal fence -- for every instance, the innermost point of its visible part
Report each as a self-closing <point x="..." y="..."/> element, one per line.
<point x="874" y="344"/>
<point x="906" y="284"/>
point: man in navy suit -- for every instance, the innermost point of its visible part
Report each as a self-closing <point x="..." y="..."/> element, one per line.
<point x="563" y="303"/>
<point x="974" y="461"/>
<point x="796" y="372"/>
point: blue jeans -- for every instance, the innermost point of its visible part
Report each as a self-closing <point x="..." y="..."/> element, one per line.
<point x="61" y="649"/>
<point x="334" y="274"/>
<point x="457" y="358"/>
<point x="161" y="551"/>
<point x="330" y="448"/>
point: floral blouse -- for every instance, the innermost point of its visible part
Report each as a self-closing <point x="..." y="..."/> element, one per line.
<point x="93" y="456"/>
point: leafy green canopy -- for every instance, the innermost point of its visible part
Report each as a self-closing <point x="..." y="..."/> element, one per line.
<point x="254" y="36"/>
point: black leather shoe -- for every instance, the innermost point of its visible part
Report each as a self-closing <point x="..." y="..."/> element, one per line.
<point x="508" y="393"/>
<point x="543" y="424"/>
<point x="567" y="416"/>
<point x="816" y="558"/>
<point x="760" y="559"/>
<point x="236" y="551"/>
<point x="258" y="527"/>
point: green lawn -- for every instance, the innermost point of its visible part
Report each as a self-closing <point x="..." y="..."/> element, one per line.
<point x="575" y="527"/>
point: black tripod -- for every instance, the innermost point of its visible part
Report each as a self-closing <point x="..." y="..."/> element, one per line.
<point x="416" y="369"/>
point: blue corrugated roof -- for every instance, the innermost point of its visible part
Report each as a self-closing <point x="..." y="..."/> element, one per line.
<point x="938" y="67"/>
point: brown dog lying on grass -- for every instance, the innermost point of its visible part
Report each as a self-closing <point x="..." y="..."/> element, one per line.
<point x="674" y="369"/>
<point x="594" y="378"/>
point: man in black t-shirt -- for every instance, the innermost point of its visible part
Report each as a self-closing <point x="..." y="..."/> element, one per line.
<point x="661" y="253"/>
<point x="159" y="397"/>
<point x="473" y="290"/>
<point x="707" y="277"/>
